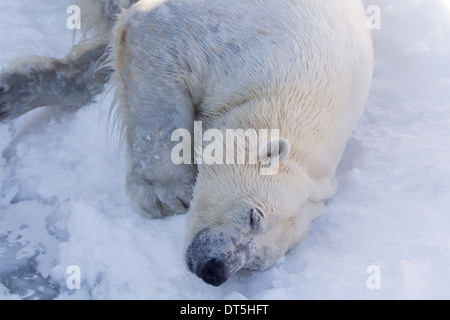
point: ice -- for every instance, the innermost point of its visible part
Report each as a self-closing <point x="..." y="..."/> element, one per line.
<point x="63" y="200"/>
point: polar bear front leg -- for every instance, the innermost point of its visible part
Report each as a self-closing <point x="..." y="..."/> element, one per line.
<point x="155" y="101"/>
<point x="157" y="185"/>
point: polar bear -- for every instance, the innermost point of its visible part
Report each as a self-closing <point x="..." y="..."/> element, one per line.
<point x="302" y="68"/>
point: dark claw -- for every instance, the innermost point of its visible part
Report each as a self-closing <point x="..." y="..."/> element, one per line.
<point x="184" y="203"/>
<point x="159" y="202"/>
<point x="2" y="89"/>
<point x="3" y="112"/>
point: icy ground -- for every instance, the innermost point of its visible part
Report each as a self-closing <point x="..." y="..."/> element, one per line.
<point x="63" y="203"/>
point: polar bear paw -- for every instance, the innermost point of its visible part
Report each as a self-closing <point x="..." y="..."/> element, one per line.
<point x="16" y="95"/>
<point x="159" y="199"/>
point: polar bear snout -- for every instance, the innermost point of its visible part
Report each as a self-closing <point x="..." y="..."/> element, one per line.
<point x="215" y="257"/>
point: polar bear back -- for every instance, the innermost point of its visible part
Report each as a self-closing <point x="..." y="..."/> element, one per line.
<point x="262" y="43"/>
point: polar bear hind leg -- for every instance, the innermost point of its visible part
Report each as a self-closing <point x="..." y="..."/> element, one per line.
<point x="73" y="81"/>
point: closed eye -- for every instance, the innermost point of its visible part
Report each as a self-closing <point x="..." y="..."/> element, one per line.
<point x="259" y="212"/>
<point x="256" y="217"/>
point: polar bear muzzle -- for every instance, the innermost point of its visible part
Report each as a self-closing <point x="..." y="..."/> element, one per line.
<point x="214" y="257"/>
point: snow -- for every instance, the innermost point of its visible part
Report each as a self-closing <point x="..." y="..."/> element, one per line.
<point x="63" y="201"/>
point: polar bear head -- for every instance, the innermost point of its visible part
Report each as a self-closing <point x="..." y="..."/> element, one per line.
<point x="240" y="218"/>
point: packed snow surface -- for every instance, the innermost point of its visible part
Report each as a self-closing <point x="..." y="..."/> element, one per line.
<point x="64" y="212"/>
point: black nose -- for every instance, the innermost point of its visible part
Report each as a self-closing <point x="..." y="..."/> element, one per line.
<point x="215" y="272"/>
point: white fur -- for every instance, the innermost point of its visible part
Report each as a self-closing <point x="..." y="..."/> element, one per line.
<point x="98" y="17"/>
<point x="303" y="67"/>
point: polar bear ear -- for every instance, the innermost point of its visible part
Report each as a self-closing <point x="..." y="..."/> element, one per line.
<point x="274" y="152"/>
